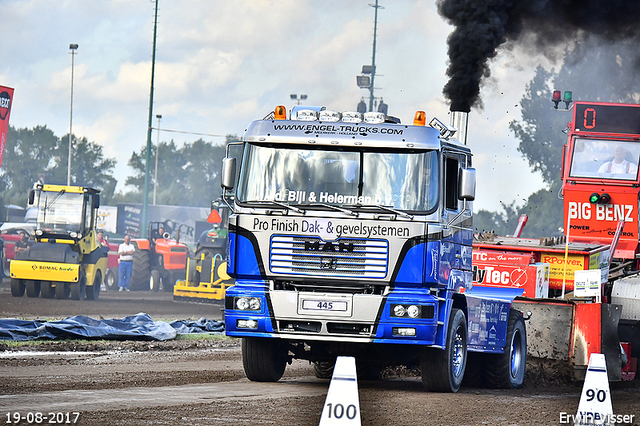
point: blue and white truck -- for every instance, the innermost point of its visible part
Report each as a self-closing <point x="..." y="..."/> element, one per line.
<point x="351" y="234"/>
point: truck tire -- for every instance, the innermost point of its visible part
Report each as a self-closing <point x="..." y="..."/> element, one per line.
<point x="46" y="290"/>
<point x="323" y="369"/>
<point x="154" y="280"/>
<point x="443" y="370"/>
<point x="33" y="288"/>
<point x="141" y="269"/>
<point x="79" y="289"/>
<point x="93" y="292"/>
<point x="506" y="370"/>
<point x="111" y="279"/>
<point x="263" y="359"/>
<point x="17" y="287"/>
<point x="63" y="290"/>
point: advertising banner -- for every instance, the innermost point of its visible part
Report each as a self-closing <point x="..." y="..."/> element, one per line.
<point x="6" y="97"/>
<point x="174" y="219"/>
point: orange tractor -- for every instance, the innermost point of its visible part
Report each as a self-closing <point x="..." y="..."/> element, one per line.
<point x="158" y="260"/>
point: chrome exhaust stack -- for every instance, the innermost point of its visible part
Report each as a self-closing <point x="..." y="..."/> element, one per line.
<point x="460" y="120"/>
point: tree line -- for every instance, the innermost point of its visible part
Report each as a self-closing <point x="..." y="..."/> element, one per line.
<point x="188" y="175"/>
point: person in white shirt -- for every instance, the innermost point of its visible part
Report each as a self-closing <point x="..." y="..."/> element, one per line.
<point x="125" y="250"/>
<point x="619" y="165"/>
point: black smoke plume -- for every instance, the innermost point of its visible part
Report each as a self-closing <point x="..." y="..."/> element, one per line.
<point x="482" y="26"/>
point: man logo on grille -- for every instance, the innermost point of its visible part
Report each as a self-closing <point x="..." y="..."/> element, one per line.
<point x="340" y="247"/>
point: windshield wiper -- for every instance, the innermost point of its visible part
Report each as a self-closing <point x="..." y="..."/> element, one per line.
<point x="278" y="203"/>
<point x="336" y="208"/>
<point x="392" y="210"/>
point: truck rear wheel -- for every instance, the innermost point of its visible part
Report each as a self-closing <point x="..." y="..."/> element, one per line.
<point x="46" y="290"/>
<point x="506" y="370"/>
<point x="63" y="290"/>
<point x="263" y="359"/>
<point x="140" y="270"/>
<point x="111" y="279"/>
<point x="154" y="280"/>
<point x="93" y="292"/>
<point x="443" y="370"/>
<point x="17" y="287"/>
<point x="79" y="289"/>
<point x="33" y="288"/>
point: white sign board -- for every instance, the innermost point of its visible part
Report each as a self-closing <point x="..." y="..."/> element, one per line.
<point x="587" y="283"/>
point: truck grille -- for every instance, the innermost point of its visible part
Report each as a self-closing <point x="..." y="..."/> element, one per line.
<point x="357" y="258"/>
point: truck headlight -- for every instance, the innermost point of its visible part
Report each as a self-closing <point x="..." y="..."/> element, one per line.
<point x="413" y="311"/>
<point x="248" y="303"/>
<point x="398" y="311"/>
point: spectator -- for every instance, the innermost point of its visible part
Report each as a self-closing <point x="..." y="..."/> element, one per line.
<point x="23" y="243"/>
<point x="125" y="250"/>
<point x="102" y="239"/>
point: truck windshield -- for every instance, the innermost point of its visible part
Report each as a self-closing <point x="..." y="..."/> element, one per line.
<point x="604" y="159"/>
<point x="60" y="212"/>
<point x="401" y="180"/>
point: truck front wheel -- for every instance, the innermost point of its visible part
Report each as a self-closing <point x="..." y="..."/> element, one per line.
<point x="443" y="370"/>
<point x="323" y="369"/>
<point x="506" y="370"/>
<point x="263" y="359"/>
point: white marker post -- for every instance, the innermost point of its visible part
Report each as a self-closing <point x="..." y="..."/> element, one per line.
<point x="342" y="406"/>
<point x="595" y="402"/>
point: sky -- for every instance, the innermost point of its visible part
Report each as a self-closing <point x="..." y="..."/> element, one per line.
<point x="222" y="64"/>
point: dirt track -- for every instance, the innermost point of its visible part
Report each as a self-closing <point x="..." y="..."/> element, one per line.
<point x="201" y="382"/>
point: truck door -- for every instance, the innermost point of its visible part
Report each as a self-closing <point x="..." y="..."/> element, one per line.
<point x="453" y="226"/>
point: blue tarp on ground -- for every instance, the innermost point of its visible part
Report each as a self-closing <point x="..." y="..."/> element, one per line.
<point x="135" y="327"/>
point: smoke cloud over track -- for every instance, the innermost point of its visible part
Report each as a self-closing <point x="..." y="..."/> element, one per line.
<point x="482" y="26"/>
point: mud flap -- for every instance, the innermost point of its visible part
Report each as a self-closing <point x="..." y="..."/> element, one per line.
<point x="610" y="318"/>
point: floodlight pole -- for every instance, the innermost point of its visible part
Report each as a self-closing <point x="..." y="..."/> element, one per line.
<point x="155" y="180"/>
<point x="145" y="203"/>
<point x="373" y="59"/>
<point x="73" y="48"/>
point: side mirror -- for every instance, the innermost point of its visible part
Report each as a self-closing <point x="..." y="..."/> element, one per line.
<point x="467" y="187"/>
<point x="32" y="196"/>
<point x="228" y="173"/>
<point x="96" y="201"/>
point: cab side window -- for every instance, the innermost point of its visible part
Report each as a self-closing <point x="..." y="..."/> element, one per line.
<point x="451" y="165"/>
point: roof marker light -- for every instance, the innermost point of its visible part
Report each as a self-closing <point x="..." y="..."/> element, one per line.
<point x="331" y="116"/>
<point x="306" y="115"/>
<point x="374" y="117"/>
<point x="420" y="118"/>
<point x="280" y="113"/>
<point x="351" y="117"/>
